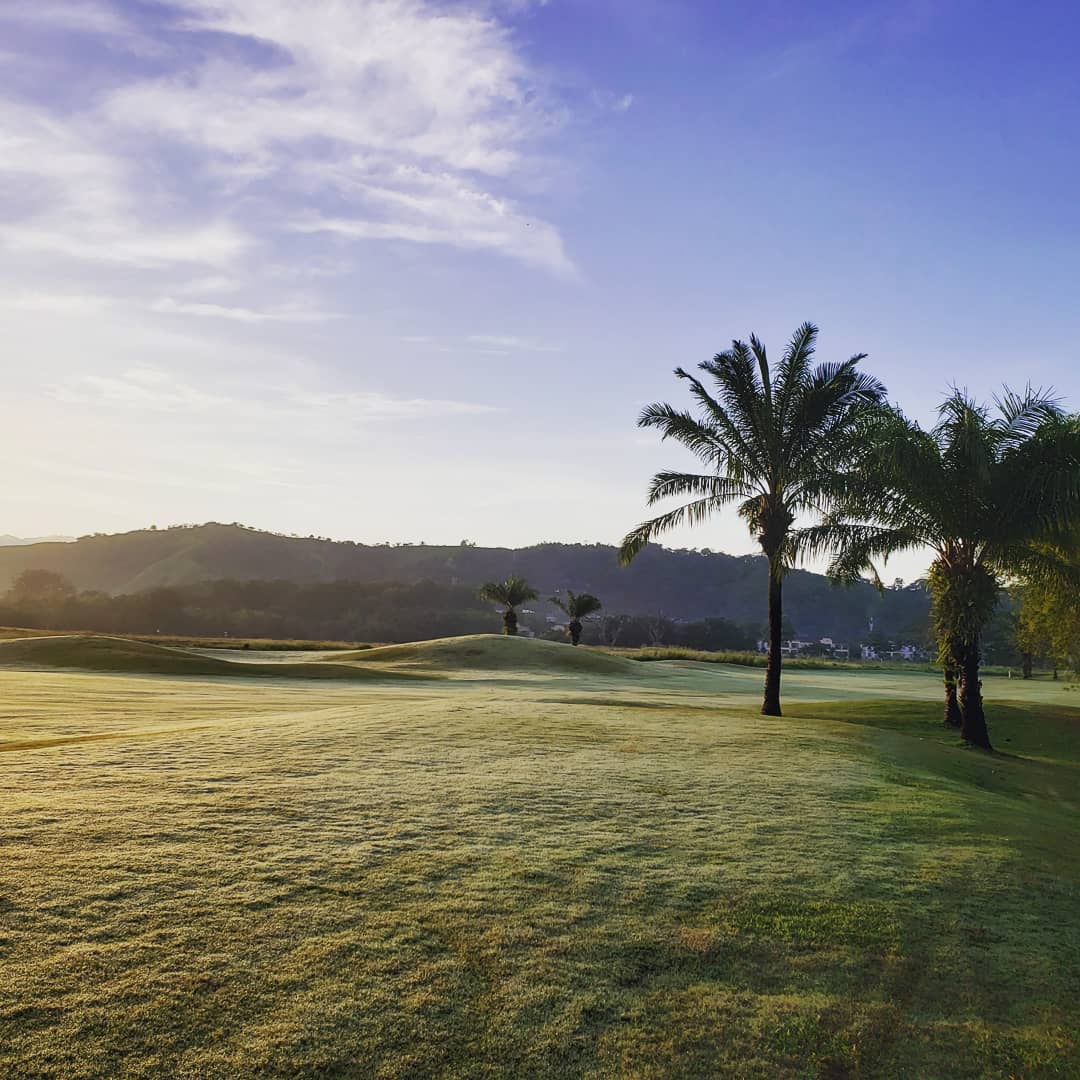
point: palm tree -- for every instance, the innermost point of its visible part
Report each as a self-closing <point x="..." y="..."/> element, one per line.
<point x="578" y="606"/>
<point x="986" y="494"/>
<point x="779" y="443"/>
<point x="512" y="593"/>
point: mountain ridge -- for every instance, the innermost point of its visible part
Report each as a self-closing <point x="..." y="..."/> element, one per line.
<point x="679" y="583"/>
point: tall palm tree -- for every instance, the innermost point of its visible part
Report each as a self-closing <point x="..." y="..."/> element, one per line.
<point x="987" y="494"/>
<point x="777" y="442"/>
<point x="578" y="606"/>
<point x="511" y="593"/>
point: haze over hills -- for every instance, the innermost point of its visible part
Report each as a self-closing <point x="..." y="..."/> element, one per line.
<point x="681" y="584"/>
<point x="21" y="541"/>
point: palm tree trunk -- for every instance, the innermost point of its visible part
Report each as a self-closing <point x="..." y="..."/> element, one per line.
<point x="510" y="622"/>
<point x="575" y="631"/>
<point x="771" y="705"/>
<point x="952" y="707"/>
<point x="972" y="717"/>
<point x="1027" y="660"/>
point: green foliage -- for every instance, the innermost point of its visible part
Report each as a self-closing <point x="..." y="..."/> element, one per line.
<point x="577" y="605"/>
<point x="984" y="492"/>
<point x="776" y="443"/>
<point x="1048" y="624"/>
<point x="512" y="593"/>
<point x="335" y="611"/>
<point x="40" y="588"/>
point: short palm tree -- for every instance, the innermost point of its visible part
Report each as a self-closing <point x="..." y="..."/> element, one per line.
<point x="577" y="606"/>
<point x="776" y="442"/>
<point x="986" y="494"/>
<point x="511" y="593"/>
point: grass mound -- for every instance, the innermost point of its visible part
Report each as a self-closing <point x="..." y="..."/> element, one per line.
<point x="496" y="652"/>
<point x="88" y="652"/>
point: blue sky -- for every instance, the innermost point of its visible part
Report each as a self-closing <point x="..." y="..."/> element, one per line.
<point x="402" y="269"/>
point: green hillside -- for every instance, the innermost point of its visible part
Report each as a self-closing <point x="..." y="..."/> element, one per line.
<point x="681" y="584"/>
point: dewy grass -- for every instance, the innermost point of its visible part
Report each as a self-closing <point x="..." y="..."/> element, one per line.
<point x="535" y="872"/>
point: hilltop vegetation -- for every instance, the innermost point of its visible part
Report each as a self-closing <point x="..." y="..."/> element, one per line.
<point x="683" y="584"/>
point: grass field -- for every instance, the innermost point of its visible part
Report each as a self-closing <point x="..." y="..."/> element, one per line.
<point x="490" y="858"/>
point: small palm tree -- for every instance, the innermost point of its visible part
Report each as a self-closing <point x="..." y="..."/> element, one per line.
<point x="577" y="606"/>
<point x="986" y="494"/>
<point x="777" y="442"/>
<point x="512" y="593"/>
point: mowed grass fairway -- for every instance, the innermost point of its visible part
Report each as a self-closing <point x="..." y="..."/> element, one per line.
<point x="532" y="862"/>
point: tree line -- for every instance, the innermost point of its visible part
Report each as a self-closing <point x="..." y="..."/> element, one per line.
<point x="334" y="611"/>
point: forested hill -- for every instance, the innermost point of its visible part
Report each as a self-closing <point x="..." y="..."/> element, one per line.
<point x="680" y="584"/>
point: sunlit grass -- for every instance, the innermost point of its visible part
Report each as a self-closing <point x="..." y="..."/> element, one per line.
<point x="534" y="873"/>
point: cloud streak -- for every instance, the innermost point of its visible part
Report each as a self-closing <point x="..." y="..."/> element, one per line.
<point x="156" y="390"/>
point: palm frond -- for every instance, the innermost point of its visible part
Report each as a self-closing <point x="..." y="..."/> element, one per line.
<point x="743" y="454"/>
<point x="794" y="365"/>
<point x="511" y="592"/>
<point x="854" y="547"/>
<point x="1035" y="565"/>
<point x="668" y="484"/>
<point x="739" y="389"/>
<point x="679" y="425"/>
<point x="691" y="513"/>
<point x="1022" y="414"/>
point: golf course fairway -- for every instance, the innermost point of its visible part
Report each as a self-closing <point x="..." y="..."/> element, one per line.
<point x="529" y="861"/>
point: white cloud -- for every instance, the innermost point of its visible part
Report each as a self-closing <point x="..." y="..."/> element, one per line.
<point x="390" y="107"/>
<point x="168" y="306"/>
<point x="513" y="344"/>
<point x="405" y="202"/>
<point x="70" y="197"/>
<point x="157" y="390"/>
<point x="390" y="120"/>
<point x="56" y="303"/>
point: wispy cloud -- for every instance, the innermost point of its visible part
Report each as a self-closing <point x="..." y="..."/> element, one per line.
<point x="153" y="389"/>
<point x="168" y="306"/>
<point x="73" y="198"/>
<point x="56" y="303"/>
<point x="513" y="344"/>
<point x="402" y="120"/>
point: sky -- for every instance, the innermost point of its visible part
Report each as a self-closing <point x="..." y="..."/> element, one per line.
<point x="409" y="269"/>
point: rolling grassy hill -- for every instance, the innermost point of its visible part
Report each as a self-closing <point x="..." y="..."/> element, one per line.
<point x="524" y="870"/>
<point x="89" y="652"/>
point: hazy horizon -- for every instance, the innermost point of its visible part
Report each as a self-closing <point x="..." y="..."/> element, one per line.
<point x="408" y="270"/>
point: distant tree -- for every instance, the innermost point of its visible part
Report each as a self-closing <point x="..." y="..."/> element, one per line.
<point x="511" y="593"/>
<point x="715" y="634"/>
<point x="611" y="629"/>
<point x="577" y="606"/>
<point x="660" y="628"/>
<point x="787" y="630"/>
<point x="1047" y="625"/>
<point x="984" y="493"/>
<point x="777" y="442"/>
<point x="40" y="589"/>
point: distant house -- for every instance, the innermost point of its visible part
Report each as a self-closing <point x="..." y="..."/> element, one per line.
<point x="825" y="646"/>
